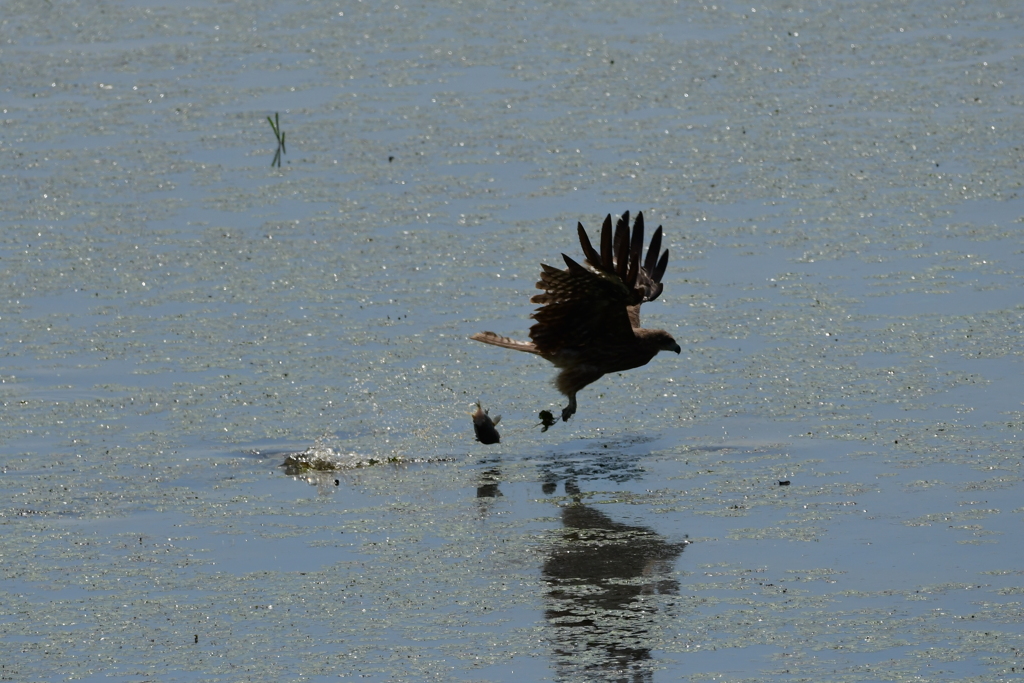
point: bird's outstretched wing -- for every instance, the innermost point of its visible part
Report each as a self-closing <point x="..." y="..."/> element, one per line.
<point x="598" y="304"/>
<point x="621" y="255"/>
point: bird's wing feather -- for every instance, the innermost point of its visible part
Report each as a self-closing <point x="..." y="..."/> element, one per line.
<point x="580" y="307"/>
<point x="621" y="257"/>
<point x="599" y="302"/>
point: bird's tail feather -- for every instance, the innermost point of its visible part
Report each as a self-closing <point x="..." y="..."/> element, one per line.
<point x="498" y="340"/>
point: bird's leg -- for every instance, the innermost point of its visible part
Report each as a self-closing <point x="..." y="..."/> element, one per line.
<point x="570" y="409"/>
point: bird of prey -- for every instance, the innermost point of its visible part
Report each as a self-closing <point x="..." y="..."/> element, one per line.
<point x="589" y="321"/>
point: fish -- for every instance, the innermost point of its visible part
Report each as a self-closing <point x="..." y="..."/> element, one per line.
<point x="483" y="425"/>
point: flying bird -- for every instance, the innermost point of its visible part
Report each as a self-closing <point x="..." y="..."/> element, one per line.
<point x="588" y="324"/>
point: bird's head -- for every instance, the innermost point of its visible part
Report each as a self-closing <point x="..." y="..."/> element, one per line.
<point x="664" y="341"/>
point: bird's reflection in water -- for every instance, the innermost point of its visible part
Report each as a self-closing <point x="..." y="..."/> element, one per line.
<point x="598" y="574"/>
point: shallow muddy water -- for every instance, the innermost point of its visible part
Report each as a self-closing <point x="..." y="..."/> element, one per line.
<point x="824" y="485"/>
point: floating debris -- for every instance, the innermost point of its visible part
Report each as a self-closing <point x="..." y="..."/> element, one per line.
<point x="320" y="458"/>
<point x="483" y="425"/>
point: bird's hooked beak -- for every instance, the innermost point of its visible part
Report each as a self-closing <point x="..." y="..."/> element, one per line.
<point x="677" y="349"/>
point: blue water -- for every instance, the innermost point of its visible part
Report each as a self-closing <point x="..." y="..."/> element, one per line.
<point x="839" y="192"/>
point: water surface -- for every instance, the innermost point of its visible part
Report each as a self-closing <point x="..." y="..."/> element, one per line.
<point x="841" y="193"/>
